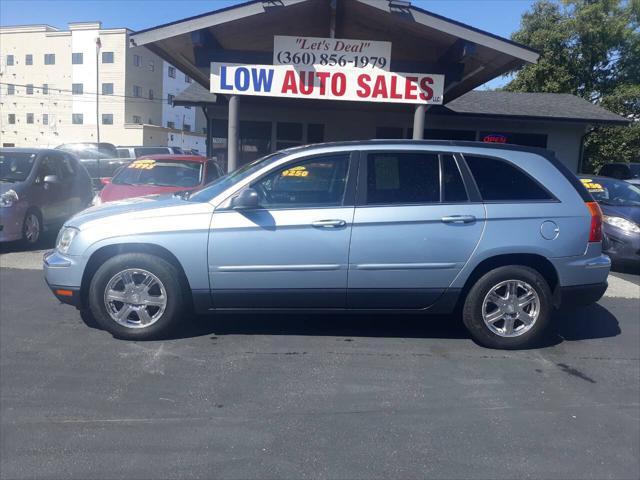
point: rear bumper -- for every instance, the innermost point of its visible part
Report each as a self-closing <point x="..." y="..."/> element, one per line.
<point x="579" y="295"/>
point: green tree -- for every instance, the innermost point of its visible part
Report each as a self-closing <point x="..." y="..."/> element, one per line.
<point x="590" y="48"/>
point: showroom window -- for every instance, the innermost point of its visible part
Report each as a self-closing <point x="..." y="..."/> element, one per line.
<point x="288" y="134"/>
<point x="498" y="180"/>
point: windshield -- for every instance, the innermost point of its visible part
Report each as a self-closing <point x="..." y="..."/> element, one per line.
<point x="221" y="184"/>
<point x="613" y="192"/>
<point x="16" y="166"/>
<point x="163" y="173"/>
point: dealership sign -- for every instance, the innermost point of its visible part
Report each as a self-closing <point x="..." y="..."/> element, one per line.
<point x="327" y="83"/>
<point x="331" y="52"/>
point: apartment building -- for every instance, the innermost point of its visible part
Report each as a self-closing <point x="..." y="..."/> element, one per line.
<point x="61" y="86"/>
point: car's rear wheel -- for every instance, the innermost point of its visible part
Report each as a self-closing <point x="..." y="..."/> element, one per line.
<point x="508" y="308"/>
<point x="137" y="296"/>
<point x="32" y="227"/>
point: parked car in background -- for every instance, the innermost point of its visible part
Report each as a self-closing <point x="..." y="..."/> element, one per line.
<point x="137" y="152"/>
<point x="506" y="233"/>
<point x="192" y="151"/>
<point x="100" y="159"/>
<point x="155" y="174"/>
<point x="39" y="189"/>
<point x="620" y="203"/>
<point x="629" y="172"/>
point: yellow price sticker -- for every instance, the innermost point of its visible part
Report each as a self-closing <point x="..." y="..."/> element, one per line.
<point x="591" y="185"/>
<point x="143" y="164"/>
<point x="296" y="172"/>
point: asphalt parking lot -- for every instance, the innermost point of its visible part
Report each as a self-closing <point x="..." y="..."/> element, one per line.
<point x="296" y="396"/>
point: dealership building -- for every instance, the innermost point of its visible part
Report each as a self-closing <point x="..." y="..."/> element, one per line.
<point x="271" y="74"/>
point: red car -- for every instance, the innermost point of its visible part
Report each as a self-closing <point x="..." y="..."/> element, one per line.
<point x="154" y="174"/>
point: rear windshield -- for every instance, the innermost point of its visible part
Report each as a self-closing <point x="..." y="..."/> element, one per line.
<point x="16" y="166"/>
<point x="163" y="173"/>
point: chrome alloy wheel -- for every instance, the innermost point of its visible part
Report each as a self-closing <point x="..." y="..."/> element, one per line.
<point x="511" y="308"/>
<point x="135" y="298"/>
<point x="32" y="228"/>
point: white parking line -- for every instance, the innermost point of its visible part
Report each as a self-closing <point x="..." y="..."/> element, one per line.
<point x="618" y="287"/>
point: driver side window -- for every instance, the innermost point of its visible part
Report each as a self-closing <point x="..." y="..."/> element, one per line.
<point x="316" y="182"/>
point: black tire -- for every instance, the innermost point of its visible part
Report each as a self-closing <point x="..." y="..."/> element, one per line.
<point x="168" y="276"/>
<point x="28" y="238"/>
<point x="472" y="314"/>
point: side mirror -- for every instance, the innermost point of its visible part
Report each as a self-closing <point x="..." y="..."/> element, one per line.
<point x="51" y="179"/>
<point x="245" y="200"/>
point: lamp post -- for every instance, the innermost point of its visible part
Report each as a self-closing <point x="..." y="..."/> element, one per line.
<point x="98" y="45"/>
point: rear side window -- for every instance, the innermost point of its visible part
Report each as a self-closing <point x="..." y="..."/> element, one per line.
<point x="402" y="177"/>
<point x="498" y="180"/>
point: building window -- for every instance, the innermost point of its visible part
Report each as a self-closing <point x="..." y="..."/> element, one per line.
<point x="137" y="91"/>
<point x="45" y="119"/>
<point x="77" y="119"/>
<point x="170" y="99"/>
<point x="77" y="59"/>
<point x="187" y="78"/>
<point x="315" y="133"/>
<point x="10" y="60"/>
<point x="150" y="94"/>
<point x="524" y="139"/>
<point x="152" y="66"/>
<point x="29" y="117"/>
<point x="171" y="124"/>
<point x="11" y="89"/>
<point x="49" y="58"/>
<point x="137" y="60"/>
<point x="107" y="89"/>
<point x="186" y="127"/>
<point x="28" y="59"/>
<point x="77" y="88"/>
<point x="12" y="119"/>
<point x="107" y="57"/>
<point x="45" y="89"/>
<point x="29" y="89"/>
<point x="288" y="134"/>
<point x="107" y="118"/>
<point x="137" y="119"/>
<point x="172" y="72"/>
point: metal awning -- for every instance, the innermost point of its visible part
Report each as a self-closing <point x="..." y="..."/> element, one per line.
<point x="422" y="42"/>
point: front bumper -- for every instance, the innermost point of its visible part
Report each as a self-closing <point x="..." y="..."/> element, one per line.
<point x="63" y="276"/>
<point x="622" y="247"/>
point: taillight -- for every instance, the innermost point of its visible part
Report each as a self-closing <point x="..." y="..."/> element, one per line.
<point x="105" y="180"/>
<point x="595" y="233"/>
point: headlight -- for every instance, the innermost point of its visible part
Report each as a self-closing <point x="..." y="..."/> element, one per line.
<point x="65" y="237"/>
<point x="622" y="223"/>
<point x="8" y="198"/>
<point x="96" y="200"/>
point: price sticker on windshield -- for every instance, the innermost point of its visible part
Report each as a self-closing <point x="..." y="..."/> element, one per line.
<point x="143" y="164"/>
<point x="296" y="172"/>
<point x="591" y="185"/>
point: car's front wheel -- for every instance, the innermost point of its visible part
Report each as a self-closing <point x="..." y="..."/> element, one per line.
<point x="508" y="308"/>
<point x="31" y="227"/>
<point x="136" y="296"/>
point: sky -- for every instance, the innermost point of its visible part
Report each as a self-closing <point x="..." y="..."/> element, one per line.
<point x="500" y="17"/>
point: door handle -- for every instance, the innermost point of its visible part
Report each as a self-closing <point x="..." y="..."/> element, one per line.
<point x="328" y="223"/>
<point x="459" y="219"/>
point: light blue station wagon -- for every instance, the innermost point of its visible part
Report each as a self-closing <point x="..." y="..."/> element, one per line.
<point x="500" y="234"/>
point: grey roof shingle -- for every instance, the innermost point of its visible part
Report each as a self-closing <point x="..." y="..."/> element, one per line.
<point x="550" y="106"/>
<point x="555" y="106"/>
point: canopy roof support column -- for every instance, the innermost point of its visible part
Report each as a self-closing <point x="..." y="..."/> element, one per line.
<point x="418" y="122"/>
<point x="232" y="133"/>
